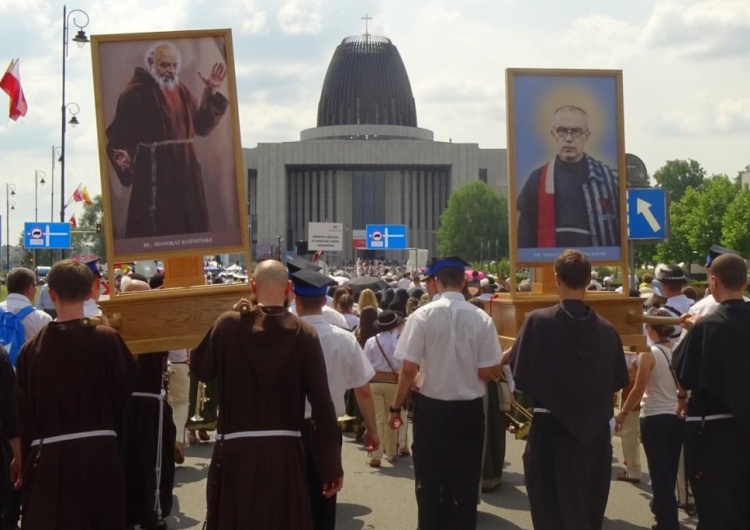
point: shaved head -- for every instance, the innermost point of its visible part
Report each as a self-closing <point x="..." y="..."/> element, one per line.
<point x="271" y="282"/>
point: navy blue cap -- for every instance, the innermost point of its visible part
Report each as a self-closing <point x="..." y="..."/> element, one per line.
<point x="715" y="251"/>
<point x="299" y="264"/>
<point x="452" y="262"/>
<point x="93" y="264"/>
<point x="309" y="282"/>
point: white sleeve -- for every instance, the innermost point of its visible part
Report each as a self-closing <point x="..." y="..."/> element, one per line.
<point x="360" y="369"/>
<point x="490" y="352"/>
<point x="411" y="343"/>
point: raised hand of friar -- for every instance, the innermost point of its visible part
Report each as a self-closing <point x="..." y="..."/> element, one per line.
<point x="214" y="81"/>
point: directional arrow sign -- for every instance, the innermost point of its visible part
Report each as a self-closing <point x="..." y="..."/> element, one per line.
<point x="644" y="208"/>
<point x="647" y="213"/>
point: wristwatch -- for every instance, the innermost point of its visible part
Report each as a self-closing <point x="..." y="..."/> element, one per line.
<point x="394" y="410"/>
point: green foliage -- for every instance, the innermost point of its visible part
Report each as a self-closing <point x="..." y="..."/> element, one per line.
<point x="85" y="239"/>
<point x="696" y="220"/>
<point x="475" y="224"/>
<point x="736" y="223"/>
<point x="676" y="176"/>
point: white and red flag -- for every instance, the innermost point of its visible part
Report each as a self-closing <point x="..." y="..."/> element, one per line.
<point x="11" y="84"/>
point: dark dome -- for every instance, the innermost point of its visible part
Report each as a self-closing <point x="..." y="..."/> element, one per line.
<point x="366" y="83"/>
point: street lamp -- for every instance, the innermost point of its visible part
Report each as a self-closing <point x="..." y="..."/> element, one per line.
<point x="10" y="191"/>
<point x="80" y="39"/>
<point x="38" y="179"/>
<point x="56" y="157"/>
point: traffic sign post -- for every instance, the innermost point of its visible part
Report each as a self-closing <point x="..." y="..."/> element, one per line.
<point x="46" y="235"/>
<point x="386" y="237"/>
<point x="647" y="213"/>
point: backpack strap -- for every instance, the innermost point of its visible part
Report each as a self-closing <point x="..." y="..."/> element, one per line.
<point x="26" y="311"/>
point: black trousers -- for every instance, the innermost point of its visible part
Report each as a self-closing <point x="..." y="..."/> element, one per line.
<point x="10" y="499"/>
<point x="662" y="440"/>
<point x="717" y="462"/>
<point x="567" y="481"/>
<point x="447" y="453"/>
<point x="323" y="509"/>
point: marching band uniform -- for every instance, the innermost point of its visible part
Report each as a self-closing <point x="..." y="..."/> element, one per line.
<point x="450" y="340"/>
<point x="346" y="367"/>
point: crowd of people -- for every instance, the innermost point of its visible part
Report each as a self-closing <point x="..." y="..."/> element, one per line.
<point x="91" y="434"/>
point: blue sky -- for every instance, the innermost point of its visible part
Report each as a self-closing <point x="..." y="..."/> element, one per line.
<point x="686" y="69"/>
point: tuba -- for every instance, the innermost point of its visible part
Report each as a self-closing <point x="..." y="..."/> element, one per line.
<point x="200" y="402"/>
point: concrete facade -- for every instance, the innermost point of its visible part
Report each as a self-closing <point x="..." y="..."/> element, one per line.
<point x="292" y="183"/>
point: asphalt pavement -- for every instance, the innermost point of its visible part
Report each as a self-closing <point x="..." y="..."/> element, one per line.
<point x="384" y="498"/>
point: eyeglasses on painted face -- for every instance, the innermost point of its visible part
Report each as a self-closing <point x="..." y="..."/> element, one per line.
<point x="575" y="132"/>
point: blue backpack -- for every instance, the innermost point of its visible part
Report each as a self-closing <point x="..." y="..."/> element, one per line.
<point x="12" y="334"/>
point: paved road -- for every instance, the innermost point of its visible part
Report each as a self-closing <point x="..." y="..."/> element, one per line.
<point x="384" y="498"/>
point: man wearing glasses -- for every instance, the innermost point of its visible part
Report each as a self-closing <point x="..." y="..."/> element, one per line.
<point x="571" y="201"/>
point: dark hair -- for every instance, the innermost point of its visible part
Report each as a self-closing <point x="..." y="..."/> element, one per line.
<point x="19" y="279"/>
<point x="730" y="270"/>
<point x="387" y="298"/>
<point x="476" y="301"/>
<point x="574" y="269"/>
<point x="366" y="329"/>
<point x="452" y="277"/>
<point x="71" y="280"/>
<point x="310" y="303"/>
<point x="663" y="330"/>
<point x="691" y="292"/>
<point x="156" y="281"/>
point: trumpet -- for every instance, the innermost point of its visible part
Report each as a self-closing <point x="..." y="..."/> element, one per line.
<point x="521" y="427"/>
<point x="200" y="402"/>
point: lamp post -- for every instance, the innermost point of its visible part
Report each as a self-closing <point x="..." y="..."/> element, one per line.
<point x="56" y="157"/>
<point x="81" y="39"/>
<point x="38" y="179"/>
<point x="10" y="191"/>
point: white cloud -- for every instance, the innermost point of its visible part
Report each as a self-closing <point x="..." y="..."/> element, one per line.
<point x="700" y="28"/>
<point x="301" y="16"/>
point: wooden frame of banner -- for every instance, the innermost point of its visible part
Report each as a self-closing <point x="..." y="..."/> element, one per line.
<point x="177" y="316"/>
<point x="509" y="310"/>
<point x="210" y="45"/>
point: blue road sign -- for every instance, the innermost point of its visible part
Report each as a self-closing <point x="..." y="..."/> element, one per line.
<point x="46" y="235"/>
<point x="647" y="213"/>
<point x="386" y="237"/>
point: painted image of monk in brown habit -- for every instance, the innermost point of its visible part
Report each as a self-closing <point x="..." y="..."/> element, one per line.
<point x="150" y="144"/>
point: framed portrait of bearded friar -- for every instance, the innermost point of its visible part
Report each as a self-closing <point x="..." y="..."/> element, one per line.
<point x="169" y="145"/>
<point x="566" y="165"/>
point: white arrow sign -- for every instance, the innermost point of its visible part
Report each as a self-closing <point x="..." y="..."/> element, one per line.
<point x="644" y="208"/>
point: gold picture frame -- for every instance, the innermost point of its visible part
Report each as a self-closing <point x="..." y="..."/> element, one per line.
<point x="536" y="100"/>
<point x="169" y="145"/>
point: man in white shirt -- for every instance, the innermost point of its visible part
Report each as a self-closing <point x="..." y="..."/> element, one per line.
<point x="454" y="345"/>
<point x="405" y="281"/>
<point x="21" y="284"/>
<point x="328" y="313"/>
<point x="672" y="280"/>
<point x="347" y="367"/>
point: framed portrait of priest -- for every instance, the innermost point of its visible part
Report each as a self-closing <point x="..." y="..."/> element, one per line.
<point x="566" y="156"/>
<point x="169" y="144"/>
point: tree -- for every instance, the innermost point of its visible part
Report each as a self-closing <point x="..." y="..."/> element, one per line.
<point x="676" y="176"/>
<point x="86" y="236"/>
<point x="735" y="223"/>
<point x="475" y="223"/>
<point x="697" y="218"/>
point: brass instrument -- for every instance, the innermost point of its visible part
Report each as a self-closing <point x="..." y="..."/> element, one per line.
<point x="521" y="427"/>
<point x="200" y="402"/>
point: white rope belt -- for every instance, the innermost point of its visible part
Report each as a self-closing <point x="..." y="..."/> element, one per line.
<point x="152" y="148"/>
<point x="257" y="434"/>
<point x="72" y="436"/>
<point x="159" y="443"/>
<point x="710" y="417"/>
<point x="543" y="411"/>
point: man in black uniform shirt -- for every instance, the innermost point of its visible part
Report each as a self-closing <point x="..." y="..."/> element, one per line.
<point x="573" y="200"/>
<point x="713" y="361"/>
<point x="571" y="361"/>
